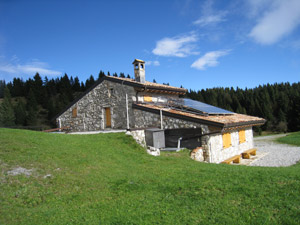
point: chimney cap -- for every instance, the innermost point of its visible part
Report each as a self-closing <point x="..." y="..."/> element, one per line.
<point x="138" y="60"/>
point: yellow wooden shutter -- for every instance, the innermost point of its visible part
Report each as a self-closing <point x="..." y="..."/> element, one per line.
<point x="242" y="136"/>
<point x="226" y="140"/>
<point x="147" y="98"/>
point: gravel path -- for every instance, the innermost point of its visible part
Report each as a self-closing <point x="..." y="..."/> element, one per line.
<point x="275" y="154"/>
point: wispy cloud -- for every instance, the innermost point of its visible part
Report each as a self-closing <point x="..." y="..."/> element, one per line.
<point x="179" y="46"/>
<point x="152" y="63"/>
<point x="210" y="59"/>
<point x="209" y="15"/>
<point x="257" y="7"/>
<point x="210" y="19"/>
<point x="35" y="66"/>
<point x="279" y="20"/>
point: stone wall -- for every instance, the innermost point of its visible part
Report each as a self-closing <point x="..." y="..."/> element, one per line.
<point x="91" y="108"/>
<point x="139" y="137"/>
<point x="213" y="146"/>
<point x="143" y="119"/>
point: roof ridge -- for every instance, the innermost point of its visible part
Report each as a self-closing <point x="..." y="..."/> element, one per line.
<point x="147" y="83"/>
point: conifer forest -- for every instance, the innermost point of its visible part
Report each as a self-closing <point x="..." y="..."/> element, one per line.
<point x="34" y="103"/>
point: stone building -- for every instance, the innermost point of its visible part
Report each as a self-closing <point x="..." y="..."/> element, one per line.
<point x="137" y="105"/>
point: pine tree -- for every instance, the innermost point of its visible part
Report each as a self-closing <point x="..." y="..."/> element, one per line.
<point x="31" y="118"/>
<point x="2" y="87"/>
<point x="82" y="87"/>
<point x="51" y="109"/>
<point x="18" y="87"/>
<point x="31" y="101"/>
<point x="101" y="74"/>
<point x="38" y="88"/>
<point x="7" y="115"/>
<point x="76" y="85"/>
<point x="122" y="75"/>
<point x="32" y="108"/>
<point x="20" y="113"/>
<point x="89" y="82"/>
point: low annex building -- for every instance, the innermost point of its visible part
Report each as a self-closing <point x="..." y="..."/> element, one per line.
<point x="138" y="105"/>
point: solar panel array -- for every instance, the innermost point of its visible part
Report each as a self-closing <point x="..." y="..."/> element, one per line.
<point x="202" y="107"/>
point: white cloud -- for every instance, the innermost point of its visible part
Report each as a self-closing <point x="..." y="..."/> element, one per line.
<point x="210" y="19"/>
<point x="279" y="20"/>
<point x="210" y="59"/>
<point x="152" y="63"/>
<point x="257" y="7"/>
<point x="30" y="68"/>
<point x="209" y="15"/>
<point x="179" y="46"/>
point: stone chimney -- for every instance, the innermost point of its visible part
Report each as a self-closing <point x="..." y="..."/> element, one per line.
<point x="139" y="70"/>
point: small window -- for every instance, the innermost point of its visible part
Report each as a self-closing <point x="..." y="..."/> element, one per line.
<point x="112" y="91"/>
<point x="142" y="66"/>
<point x="226" y="140"/>
<point x="242" y="136"/>
<point x="74" y="112"/>
<point x="147" y="98"/>
<point x="136" y="66"/>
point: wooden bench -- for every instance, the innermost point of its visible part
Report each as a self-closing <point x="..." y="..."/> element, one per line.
<point x="246" y="154"/>
<point x="235" y="159"/>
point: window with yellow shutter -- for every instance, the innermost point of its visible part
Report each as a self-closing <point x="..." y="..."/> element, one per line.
<point x="226" y="140"/>
<point x="242" y="136"/>
<point x="148" y="98"/>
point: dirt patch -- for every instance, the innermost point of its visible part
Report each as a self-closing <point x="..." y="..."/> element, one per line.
<point x="20" y="170"/>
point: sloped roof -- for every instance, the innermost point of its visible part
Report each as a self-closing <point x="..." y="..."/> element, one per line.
<point x="148" y="85"/>
<point x="222" y="121"/>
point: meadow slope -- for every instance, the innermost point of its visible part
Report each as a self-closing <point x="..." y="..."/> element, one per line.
<point x="109" y="179"/>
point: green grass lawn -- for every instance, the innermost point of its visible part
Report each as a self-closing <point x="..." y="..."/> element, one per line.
<point x="109" y="179"/>
<point x="292" y="139"/>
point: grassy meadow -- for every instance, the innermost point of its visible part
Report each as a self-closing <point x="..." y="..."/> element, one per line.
<point x="291" y="139"/>
<point x="109" y="179"/>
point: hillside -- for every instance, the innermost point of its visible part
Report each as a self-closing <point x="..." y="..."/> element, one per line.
<point x="109" y="179"/>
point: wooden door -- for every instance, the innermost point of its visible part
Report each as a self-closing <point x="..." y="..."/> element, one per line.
<point x="108" y="117"/>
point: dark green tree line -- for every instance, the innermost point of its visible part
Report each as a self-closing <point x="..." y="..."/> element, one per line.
<point x="277" y="103"/>
<point x="38" y="100"/>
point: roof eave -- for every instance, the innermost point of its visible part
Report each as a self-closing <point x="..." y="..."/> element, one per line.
<point x="245" y="123"/>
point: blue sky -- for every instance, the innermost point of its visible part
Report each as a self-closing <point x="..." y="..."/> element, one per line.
<point x="194" y="43"/>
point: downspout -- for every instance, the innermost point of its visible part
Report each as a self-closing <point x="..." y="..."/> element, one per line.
<point x="178" y="144"/>
<point x="126" y="102"/>
<point x="161" y="120"/>
<point x="127" y="116"/>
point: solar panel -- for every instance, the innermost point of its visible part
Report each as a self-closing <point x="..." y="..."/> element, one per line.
<point x="202" y="107"/>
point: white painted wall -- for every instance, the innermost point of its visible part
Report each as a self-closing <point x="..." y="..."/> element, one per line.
<point x="218" y="153"/>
